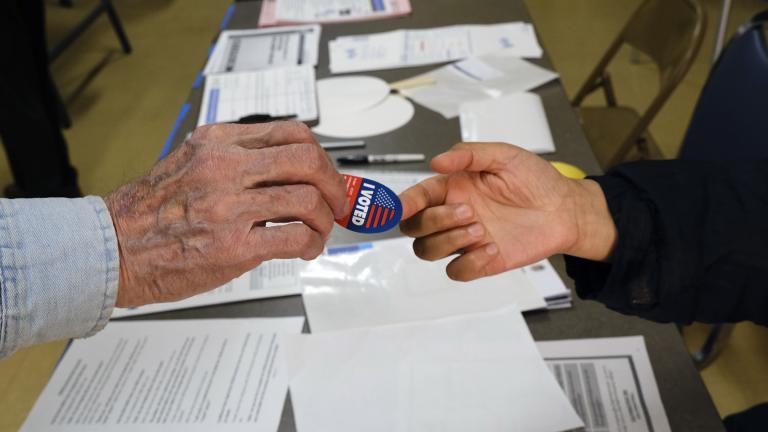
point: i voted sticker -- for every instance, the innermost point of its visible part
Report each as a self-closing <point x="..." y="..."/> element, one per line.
<point x="374" y="208"/>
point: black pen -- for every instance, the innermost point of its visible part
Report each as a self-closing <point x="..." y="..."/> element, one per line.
<point x="380" y="159"/>
<point x="262" y="118"/>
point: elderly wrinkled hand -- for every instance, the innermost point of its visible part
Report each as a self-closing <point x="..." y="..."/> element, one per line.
<point x="500" y="207"/>
<point x="198" y="219"/>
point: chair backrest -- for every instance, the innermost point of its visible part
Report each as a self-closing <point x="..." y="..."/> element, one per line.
<point x="730" y="121"/>
<point x="670" y="32"/>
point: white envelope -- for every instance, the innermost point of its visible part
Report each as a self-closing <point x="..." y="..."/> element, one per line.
<point x="383" y="282"/>
<point x="517" y="119"/>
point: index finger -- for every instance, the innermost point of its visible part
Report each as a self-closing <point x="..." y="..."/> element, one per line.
<point x="476" y="157"/>
<point x="260" y="135"/>
<point x="429" y="193"/>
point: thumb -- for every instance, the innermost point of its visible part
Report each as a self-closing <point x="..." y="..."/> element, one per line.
<point x="475" y="157"/>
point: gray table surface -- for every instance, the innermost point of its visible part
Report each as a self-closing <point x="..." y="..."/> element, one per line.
<point x="687" y="402"/>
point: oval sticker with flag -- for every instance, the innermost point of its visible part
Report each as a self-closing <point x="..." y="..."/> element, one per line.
<point x="374" y="208"/>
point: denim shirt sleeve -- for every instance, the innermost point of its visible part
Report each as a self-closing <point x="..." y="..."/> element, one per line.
<point x="59" y="269"/>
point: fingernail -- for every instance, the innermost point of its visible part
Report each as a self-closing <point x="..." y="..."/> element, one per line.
<point x="492" y="249"/>
<point x="475" y="230"/>
<point x="463" y="212"/>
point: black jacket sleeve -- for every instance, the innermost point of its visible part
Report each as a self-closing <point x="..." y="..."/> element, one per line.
<point x="692" y="245"/>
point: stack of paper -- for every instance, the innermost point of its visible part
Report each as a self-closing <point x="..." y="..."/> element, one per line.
<point x="286" y="12"/>
<point x="476" y="78"/>
<point x="549" y="285"/>
<point x="267" y="72"/>
<point x="383" y="282"/>
<point x="407" y="48"/>
<point x="466" y="373"/>
<point x="191" y="375"/>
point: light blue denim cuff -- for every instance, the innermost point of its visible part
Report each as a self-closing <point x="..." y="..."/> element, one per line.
<point x="59" y="269"/>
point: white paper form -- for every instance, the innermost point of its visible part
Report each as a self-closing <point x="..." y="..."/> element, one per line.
<point x="383" y="282"/>
<point x="467" y="373"/>
<point x="281" y="12"/>
<point x="277" y="278"/>
<point x="187" y="375"/>
<point x="609" y="382"/>
<point x="477" y="78"/>
<point x="276" y="92"/>
<point x="407" y="48"/>
<point x="256" y="49"/>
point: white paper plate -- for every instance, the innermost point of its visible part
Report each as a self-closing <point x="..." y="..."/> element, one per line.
<point x="350" y="94"/>
<point x="394" y="112"/>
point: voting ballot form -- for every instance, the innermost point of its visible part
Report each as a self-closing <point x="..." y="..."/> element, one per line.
<point x="191" y="375"/>
<point x="248" y="50"/>
<point x="285" y="91"/>
<point x="609" y="382"/>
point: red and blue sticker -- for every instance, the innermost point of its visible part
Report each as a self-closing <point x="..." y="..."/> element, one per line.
<point x="374" y="208"/>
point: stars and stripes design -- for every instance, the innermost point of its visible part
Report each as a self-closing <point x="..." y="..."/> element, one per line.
<point x="374" y="208"/>
<point x="382" y="209"/>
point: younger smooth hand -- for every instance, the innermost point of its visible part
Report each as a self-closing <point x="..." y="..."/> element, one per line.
<point x="500" y="207"/>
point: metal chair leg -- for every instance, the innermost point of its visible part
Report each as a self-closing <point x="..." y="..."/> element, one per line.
<point x="117" y="25"/>
<point x="713" y="346"/>
<point x="104" y="6"/>
<point x="722" y="27"/>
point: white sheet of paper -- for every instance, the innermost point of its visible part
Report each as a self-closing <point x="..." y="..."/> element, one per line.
<point x="256" y="49"/>
<point x="546" y="280"/>
<point x="392" y="113"/>
<point x="383" y="282"/>
<point x="276" y="278"/>
<point x="277" y="92"/>
<point x="187" y="375"/>
<point x="466" y="373"/>
<point x="517" y="118"/>
<point x="477" y="78"/>
<point x="609" y="381"/>
<point x="397" y="181"/>
<point x="407" y="48"/>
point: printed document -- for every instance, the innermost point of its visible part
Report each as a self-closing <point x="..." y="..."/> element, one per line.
<point x="276" y="92"/>
<point x="609" y="382"/>
<point x="281" y="12"/>
<point x="276" y="278"/>
<point x="186" y="375"/>
<point x="476" y="78"/>
<point x="407" y="48"/>
<point x="246" y="50"/>
<point x="383" y="282"/>
<point x="478" y="372"/>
